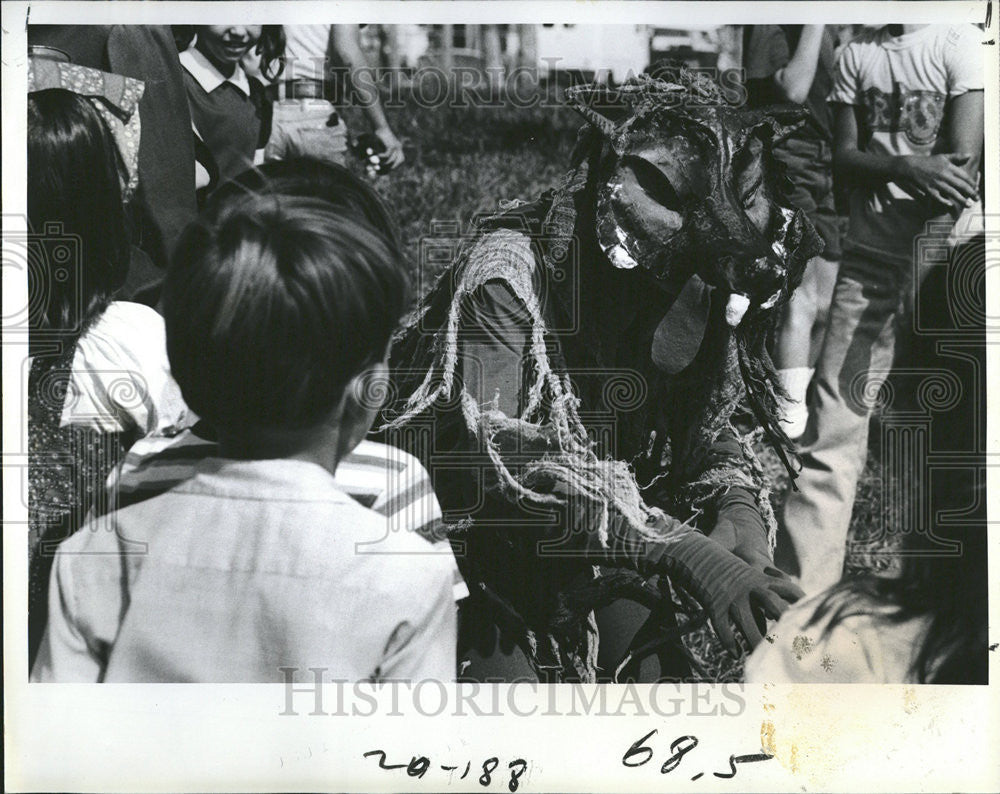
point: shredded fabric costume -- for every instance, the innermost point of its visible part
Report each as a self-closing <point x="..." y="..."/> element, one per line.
<point x="573" y="379"/>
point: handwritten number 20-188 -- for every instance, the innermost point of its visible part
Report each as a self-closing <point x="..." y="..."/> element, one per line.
<point x="418" y="766"/>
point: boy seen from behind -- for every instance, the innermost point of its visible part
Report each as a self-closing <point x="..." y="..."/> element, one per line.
<point x="279" y="312"/>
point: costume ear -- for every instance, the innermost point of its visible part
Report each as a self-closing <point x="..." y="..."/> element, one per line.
<point x="608" y="107"/>
<point x="784" y="120"/>
<point x="602" y="106"/>
<point x="682" y="329"/>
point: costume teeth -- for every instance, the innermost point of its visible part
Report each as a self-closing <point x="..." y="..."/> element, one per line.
<point x="736" y="307"/>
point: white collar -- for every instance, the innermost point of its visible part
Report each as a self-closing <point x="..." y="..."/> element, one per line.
<point x="208" y="77"/>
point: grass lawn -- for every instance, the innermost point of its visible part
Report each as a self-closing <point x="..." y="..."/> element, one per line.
<point x="464" y="160"/>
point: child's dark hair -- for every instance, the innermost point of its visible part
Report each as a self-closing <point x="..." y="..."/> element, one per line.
<point x="273" y="304"/>
<point x="946" y="586"/>
<point x="75" y="176"/>
<point x="312" y="178"/>
<point x="271" y="48"/>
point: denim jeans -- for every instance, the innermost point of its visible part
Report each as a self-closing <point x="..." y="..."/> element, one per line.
<point x="854" y="362"/>
<point x="300" y="129"/>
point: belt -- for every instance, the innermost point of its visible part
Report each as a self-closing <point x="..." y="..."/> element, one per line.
<point x="303" y="88"/>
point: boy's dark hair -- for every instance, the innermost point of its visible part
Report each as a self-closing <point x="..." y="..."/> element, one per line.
<point x="273" y="304"/>
<point x="308" y="177"/>
<point x="75" y="175"/>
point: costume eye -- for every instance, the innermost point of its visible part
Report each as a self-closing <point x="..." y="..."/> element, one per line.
<point x="748" y="168"/>
<point x="653" y="182"/>
<point x="638" y="210"/>
<point x="750" y="194"/>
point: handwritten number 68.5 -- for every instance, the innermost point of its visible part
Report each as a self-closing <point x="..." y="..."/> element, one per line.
<point x="640" y="753"/>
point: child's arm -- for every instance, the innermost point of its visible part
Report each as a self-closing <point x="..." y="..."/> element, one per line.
<point x="963" y="121"/>
<point x="346" y="41"/>
<point x="943" y="177"/>
<point x="962" y="130"/>
<point x="796" y="78"/>
<point x="775" y="75"/>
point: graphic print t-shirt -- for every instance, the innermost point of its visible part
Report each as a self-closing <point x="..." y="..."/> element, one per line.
<point x="902" y="83"/>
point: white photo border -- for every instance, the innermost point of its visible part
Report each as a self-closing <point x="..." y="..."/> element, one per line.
<point x="236" y="737"/>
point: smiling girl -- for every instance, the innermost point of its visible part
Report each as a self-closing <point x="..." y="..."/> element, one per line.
<point x="228" y="108"/>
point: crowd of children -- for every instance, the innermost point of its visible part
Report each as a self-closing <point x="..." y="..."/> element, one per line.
<point x="203" y="502"/>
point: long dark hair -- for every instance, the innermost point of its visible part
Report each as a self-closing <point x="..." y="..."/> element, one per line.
<point x="271" y="47"/>
<point x="943" y="579"/>
<point x="76" y="213"/>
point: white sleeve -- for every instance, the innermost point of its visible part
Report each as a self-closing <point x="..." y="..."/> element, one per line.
<point x="121" y="375"/>
<point x="845" y="79"/>
<point x="428" y="650"/>
<point x="795" y="652"/>
<point x="409" y="500"/>
<point x="64" y="655"/>
<point x="964" y="60"/>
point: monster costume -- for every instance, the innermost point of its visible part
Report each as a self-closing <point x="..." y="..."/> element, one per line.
<point x="573" y="381"/>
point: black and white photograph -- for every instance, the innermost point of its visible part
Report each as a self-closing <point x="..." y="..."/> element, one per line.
<point x="447" y="360"/>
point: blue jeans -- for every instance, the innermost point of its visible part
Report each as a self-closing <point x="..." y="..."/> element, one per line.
<point x="854" y="362"/>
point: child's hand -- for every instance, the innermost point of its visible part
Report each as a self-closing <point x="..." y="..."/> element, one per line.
<point x="938" y="176"/>
<point x="393" y="148"/>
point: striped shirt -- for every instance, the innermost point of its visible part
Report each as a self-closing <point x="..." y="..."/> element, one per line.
<point x="382" y="478"/>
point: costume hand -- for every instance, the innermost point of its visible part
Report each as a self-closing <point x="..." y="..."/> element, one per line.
<point x="394" y="149"/>
<point x="939" y="176"/>
<point x="740" y="528"/>
<point x="742" y="543"/>
<point x="728" y="588"/>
